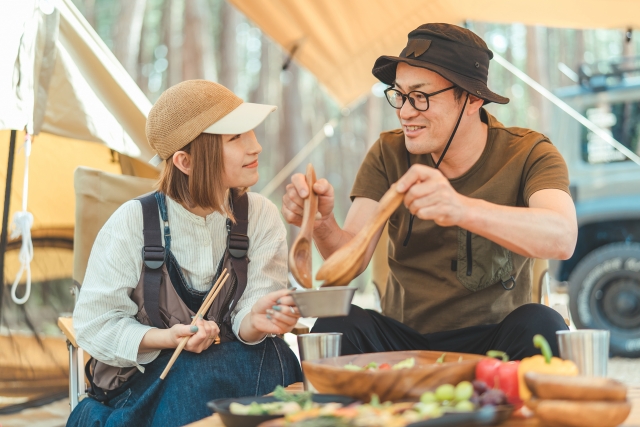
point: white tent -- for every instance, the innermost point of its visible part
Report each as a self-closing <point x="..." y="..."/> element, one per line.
<point x="61" y="83"/>
<point x="57" y="76"/>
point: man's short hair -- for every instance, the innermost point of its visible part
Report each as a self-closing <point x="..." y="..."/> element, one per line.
<point x="458" y="93"/>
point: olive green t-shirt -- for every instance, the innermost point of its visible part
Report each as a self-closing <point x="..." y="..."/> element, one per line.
<point x="432" y="286"/>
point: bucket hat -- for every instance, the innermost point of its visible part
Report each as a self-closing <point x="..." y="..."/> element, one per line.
<point x="192" y="107"/>
<point x="457" y="54"/>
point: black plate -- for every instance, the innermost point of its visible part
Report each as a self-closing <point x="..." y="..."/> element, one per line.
<point x="221" y="406"/>
<point x="486" y="416"/>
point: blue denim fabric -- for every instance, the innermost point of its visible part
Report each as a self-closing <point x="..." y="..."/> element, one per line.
<point x="230" y="369"/>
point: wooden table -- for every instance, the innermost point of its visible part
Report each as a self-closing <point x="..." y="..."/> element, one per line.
<point x="632" y="421"/>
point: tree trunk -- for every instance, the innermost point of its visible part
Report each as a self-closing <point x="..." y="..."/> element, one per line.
<point x="259" y="94"/>
<point x="172" y="22"/>
<point x="192" y="49"/>
<point x="272" y="143"/>
<point x="579" y="51"/>
<point x="90" y="12"/>
<point x="538" y="69"/>
<point x="228" y="46"/>
<point x="127" y="34"/>
<point x="292" y="129"/>
<point x="374" y="119"/>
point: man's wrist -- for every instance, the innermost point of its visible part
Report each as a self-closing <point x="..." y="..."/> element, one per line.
<point x="470" y="210"/>
<point x="326" y="229"/>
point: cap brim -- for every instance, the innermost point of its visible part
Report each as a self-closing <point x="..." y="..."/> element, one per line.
<point x="385" y="70"/>
<point x="244" y="118"/>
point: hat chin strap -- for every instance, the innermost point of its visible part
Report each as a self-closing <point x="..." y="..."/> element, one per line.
<point x="446" y="147"/>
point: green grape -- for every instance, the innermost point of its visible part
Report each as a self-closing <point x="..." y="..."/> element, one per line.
<point x="445" y="392"/>
<point x="428" y="397"/>
<point x="465" y="406"/>
<point x="464" y="391"/>
<point x="429" y="409"/>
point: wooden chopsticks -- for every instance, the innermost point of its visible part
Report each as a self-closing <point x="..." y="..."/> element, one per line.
<point x="215" y="289"/>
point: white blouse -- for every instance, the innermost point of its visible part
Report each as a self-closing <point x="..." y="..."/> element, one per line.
<point x="104" y="314"/>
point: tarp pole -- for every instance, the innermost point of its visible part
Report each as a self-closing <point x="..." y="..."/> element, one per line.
<point x="288" y="169"/>
<point x="5" y="214"/>
<point x="607" y="137"/>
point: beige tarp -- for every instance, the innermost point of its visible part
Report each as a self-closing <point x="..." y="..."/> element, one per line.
<point x="339" y="40"/>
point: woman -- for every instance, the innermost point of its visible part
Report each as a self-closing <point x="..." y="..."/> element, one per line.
<point x="157" y="257"/>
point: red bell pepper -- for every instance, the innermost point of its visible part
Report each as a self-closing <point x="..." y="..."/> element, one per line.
<point x="500" y="374"/>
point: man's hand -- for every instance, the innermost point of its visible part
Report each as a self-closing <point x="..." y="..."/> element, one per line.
<point x="430" y="196"/>
<point x="297" y="191"/>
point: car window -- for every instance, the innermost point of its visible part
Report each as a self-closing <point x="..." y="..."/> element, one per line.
<point x="622" y="121"/>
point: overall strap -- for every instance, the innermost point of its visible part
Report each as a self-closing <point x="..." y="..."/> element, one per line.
<point x="238" y="244"/>
<point x="153" y="257"/>
<point x="162" y="204"/>
<point x="238" y="241"/>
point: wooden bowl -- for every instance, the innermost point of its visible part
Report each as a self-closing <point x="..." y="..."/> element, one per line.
<point x="329" y="376"/>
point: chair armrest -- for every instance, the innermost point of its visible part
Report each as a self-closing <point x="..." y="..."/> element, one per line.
<point x="66" y="326"/>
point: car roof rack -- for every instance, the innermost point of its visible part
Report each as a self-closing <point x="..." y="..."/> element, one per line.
<point x="603" y="75"/>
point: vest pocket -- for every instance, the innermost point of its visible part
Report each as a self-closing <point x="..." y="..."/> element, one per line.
<point x="481" y="262"/>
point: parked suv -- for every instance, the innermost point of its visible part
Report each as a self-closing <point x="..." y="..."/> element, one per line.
<point x="603" y="274"/>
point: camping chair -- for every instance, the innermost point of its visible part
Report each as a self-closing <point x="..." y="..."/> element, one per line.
<point x="98" y="195"/>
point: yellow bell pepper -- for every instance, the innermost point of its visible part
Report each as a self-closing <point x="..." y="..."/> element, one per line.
<point x="544" y="364"/>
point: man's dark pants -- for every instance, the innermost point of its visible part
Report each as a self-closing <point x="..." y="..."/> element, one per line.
<point x="366" y="331"/>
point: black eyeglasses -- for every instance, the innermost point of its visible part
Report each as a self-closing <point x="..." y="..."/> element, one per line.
<point x="419" y="100"/>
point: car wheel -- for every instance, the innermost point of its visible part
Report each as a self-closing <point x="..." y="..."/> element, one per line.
<point x="604" y="291"/>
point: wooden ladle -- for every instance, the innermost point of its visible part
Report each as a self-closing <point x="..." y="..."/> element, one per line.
<point x="300" y="253"/>
<point x="343" y="265"/>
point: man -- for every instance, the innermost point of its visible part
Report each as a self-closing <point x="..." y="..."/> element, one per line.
<point x="481" y="202"/>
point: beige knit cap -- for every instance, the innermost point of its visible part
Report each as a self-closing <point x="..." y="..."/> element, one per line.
<point x="190" y="108"/>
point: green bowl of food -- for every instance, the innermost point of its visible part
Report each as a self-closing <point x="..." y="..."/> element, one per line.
<point x="252" y="411"/>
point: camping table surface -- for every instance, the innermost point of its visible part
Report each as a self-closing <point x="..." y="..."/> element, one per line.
<point x="632" y="421"/>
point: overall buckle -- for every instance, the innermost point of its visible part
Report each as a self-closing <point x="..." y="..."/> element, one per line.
<point x="153" y="256"/>
<point x="238" y="245"/>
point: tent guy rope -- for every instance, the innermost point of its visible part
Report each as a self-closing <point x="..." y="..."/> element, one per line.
<point x="21" y="226"/>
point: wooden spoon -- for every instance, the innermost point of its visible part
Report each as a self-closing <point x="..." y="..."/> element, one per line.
<point x="300" y="253"/>
<point x="343" y="265"/>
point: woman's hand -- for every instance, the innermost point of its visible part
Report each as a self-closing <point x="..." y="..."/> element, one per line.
<point x="202" y="334"/>
<point x="274" y="313"/>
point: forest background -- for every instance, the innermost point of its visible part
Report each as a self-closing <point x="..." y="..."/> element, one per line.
<point x="163" y="42"/>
